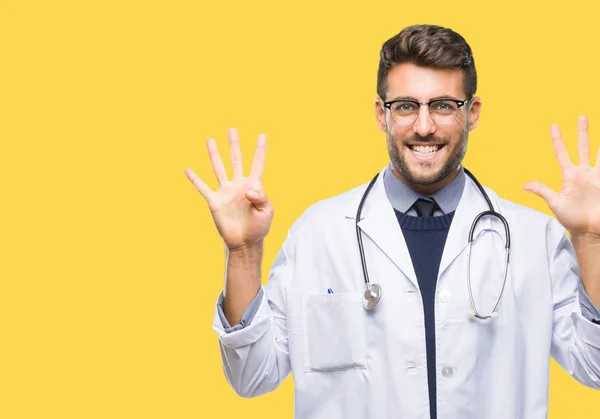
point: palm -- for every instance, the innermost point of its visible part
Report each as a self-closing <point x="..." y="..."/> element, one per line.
<point x="236" y="218"/>
<point x="577" y="205"/>
<point x="240" y="218"/>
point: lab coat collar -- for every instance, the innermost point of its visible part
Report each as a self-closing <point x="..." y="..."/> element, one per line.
<point x="378" y="222"/>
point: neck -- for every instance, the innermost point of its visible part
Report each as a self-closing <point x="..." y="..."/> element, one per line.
<point x="428" y="189"/>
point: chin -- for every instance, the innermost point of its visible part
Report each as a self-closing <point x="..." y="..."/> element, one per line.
<point x="423" y="178"/>
<point x="422" y="174"/>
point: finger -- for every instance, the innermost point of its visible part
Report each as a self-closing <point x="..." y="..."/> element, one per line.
<point x="542" y="191"/>
<point x="260" y="156"/>
<point x="258" y="198"/>
<point x="583" y="140"/>
<point x="559" y="148"/>
<point x="598" y="159"/>
<point x="236" y="153"/>
<point x="202" y="187"/>
<point x="215" y="159"/>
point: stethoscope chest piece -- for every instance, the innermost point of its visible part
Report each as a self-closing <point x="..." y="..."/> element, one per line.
<point x="372" y="296"/>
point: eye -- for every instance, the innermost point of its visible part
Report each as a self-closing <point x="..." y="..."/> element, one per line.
<point x="444" y="106"/>
<point x="404" y="107"/>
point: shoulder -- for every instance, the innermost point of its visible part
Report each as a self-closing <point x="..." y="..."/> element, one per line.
<point x="328" y="212"/>
<point x="526" y="218"/>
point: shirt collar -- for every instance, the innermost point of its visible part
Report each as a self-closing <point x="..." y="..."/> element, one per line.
<point x="402" y="196"/>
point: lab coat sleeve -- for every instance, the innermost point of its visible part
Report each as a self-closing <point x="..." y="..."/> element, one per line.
<point x="256" y="357"/>
<point x="247" y="316"/>
<point x="575" y="339"/>
<point x="588" y="308"/>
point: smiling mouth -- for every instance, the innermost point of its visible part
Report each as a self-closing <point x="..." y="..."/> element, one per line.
<point x="425" y="150"/>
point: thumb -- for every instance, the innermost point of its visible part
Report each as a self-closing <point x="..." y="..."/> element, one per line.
<point x="542" y="191"/>
<point x="258" y="198"/>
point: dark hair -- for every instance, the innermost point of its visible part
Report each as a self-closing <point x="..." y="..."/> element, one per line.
<point x="427" y="46"/>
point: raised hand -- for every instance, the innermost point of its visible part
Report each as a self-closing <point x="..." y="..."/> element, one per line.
<point x="240" y="208"/>
<point x="577" y="205"/>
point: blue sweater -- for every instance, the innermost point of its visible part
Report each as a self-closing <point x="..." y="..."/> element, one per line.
<point x="425" y="238"/>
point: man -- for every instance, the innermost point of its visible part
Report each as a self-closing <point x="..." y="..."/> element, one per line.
<point x="416" y="353"/>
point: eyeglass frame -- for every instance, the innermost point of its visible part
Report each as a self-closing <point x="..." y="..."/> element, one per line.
<point x="459" y="104"/>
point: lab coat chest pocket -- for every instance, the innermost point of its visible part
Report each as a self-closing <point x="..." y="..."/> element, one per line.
<point x="334" y="332"/>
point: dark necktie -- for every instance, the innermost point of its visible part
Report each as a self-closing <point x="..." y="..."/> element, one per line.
<point x="424" y="207"/>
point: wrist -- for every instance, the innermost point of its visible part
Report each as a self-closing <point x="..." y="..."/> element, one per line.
<point x="585" y="239"/>
<point x="246" y="248"/>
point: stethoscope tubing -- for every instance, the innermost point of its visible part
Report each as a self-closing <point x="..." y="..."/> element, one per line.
<point x="373" y="292"/>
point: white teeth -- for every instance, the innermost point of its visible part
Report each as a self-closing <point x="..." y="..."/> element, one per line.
<point x="429" y="149"/>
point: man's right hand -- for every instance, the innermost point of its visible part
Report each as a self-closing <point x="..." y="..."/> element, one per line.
<point x="240" y="208"/>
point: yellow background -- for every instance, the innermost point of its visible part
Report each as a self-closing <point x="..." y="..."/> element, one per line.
<point x="110" y="263"/>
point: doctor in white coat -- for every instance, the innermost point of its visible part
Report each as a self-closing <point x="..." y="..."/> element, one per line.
<point x="419" y="353"/>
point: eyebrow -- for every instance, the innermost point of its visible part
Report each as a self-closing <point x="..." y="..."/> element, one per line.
<point x="416" y="100"/>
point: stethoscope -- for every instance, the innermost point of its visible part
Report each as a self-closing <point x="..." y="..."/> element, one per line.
<point x="373" y="292"/>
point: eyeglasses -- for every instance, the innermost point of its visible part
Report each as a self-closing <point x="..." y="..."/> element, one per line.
<point x="442" y="111"/>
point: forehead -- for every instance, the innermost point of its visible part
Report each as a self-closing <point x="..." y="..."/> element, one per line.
<point x="423" y="83"/>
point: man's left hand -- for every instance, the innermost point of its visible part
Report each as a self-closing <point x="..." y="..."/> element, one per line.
<point x="577" y="205"/>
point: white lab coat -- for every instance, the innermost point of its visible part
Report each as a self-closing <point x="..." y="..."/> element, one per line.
<point x="351" y="363"/>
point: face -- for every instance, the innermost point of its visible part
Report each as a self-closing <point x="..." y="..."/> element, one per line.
<point x="426" y="155"/>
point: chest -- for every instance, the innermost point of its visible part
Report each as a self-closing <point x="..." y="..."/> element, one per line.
<point x="331" y="330"/>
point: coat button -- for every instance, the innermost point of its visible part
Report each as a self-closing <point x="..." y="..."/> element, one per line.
<point x="447" y="372"/>
<point x="445" y="296"/>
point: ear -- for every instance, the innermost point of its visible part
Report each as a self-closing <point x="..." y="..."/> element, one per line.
<point x="380" y="114"/>
<point x="474" y="112"/>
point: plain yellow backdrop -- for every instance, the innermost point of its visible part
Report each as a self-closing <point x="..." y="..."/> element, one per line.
<point x="110" y="264"/>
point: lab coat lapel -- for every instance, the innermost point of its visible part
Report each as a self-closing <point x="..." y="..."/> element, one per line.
<point x="471" y="204"/>
<point x="378" y="222"/>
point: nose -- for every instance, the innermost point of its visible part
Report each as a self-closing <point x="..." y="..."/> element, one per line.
<point x="424" y="125"/>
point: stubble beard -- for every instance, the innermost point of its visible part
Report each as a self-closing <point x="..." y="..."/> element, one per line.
<point x="449" y="167"/>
